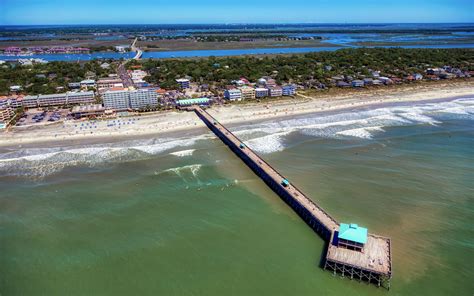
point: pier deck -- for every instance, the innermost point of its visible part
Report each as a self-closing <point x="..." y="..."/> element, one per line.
<point x="372" y="265"/>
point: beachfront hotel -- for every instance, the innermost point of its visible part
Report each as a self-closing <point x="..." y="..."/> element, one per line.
<point x="122" y="99"/>
<point x="116" y="98"/>
<point x="143" y="98"/>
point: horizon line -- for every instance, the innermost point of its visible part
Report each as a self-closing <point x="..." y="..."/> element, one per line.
<point x="240" y="23"/>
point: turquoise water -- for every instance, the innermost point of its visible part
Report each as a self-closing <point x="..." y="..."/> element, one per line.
<point x="183" y="216"/>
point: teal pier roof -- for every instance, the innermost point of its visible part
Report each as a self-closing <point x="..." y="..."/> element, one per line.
<point x="353" y="232"/>
<point x="189" y="102"/>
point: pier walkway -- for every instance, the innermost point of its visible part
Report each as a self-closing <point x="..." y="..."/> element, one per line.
<point x="372" y="265"/>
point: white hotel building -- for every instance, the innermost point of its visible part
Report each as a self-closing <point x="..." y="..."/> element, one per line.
<point x="123" y="99"/>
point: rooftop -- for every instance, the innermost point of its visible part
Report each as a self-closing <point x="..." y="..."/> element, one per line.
<point x="353" y="232"/>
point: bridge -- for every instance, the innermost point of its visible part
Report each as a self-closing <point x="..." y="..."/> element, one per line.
<point x="373" y="264"/>
<point x="138" y="51"/>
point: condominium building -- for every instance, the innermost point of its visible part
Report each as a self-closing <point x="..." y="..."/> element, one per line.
<point x="275" y="91"/>
<point x="84" y="97"/>
<point x="30" y="101"/>
<point x="247" y="93"/>
<point x="121" y="99"/>
<point x="183" y="83"/>
<point x="6" y="113"/>
<point x="52" y="100"/>
<point x="116" y="98"/>
<point x="11" y="101"/>
<point x="233" y="94"/>
<point x="261" y="92"/>
<point x="143" y="98"/>
<point x="61" y="99"/>
<point x="289" y="90"/>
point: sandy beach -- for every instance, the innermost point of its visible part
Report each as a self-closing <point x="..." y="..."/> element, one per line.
<point x="166" y="122"/>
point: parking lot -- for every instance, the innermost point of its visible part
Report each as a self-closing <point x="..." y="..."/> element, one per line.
<point x="37" y="116"/>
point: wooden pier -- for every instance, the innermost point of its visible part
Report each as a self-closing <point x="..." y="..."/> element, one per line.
<point x="373" y="265"/>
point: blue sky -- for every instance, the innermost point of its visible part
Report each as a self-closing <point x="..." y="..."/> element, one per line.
<point x="28" y="12"/>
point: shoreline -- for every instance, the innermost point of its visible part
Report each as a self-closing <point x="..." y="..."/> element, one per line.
<point x="162" y="124"/>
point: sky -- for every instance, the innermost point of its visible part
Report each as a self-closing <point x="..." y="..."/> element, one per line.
<point x="52" y="12"/>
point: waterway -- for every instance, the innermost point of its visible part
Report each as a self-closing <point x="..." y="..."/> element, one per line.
<point x="184" y="216"/>
<point x="203" y="53"/>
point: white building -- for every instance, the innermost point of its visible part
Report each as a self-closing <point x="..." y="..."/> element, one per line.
<point x="87" y="83"/>
<point x="143" y="98"/>
<point x="117" y="99"/>
<point x="183" y="83"/>
<point x="15" y="88"/>
<point x="233" y="95"/>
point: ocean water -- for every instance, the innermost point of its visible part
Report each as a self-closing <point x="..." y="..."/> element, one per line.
<point x="184" y="216"/>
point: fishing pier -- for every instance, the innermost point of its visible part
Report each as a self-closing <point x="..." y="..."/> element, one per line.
<point x="369" y="261"/>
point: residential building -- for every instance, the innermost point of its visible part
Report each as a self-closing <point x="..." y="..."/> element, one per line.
<point x="368" y="81"/>
<point x="233" y="94"/>
<point x="183" y="83"/>
<point x="261" y="92"/>
<point x="357" y="83"/>
<point x="15" y="88"/>
<point x="74" y="85"/>
<point x="30" y="101"/>
<point x="137" y="76"/>
<point x="275" y="91"/>
<point x="143" y="98"/>
<point x="52" y="100"/>
<point x="6" y="114"/>
<point x="11" y="101"/>
<point x="116" y="98"/>
<point x="247" y="93"/>
<point x="385" y="80"/>
<point x="84" y="97"/>
<point x="289" y="90"/>
<point x="105" y="83"/>
<point x="342" y="84"/>
<point x="87" y="83"/>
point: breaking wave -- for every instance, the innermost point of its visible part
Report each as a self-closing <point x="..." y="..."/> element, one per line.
<point x="41" y="162"/>
<point x="270" y="137"/>
<point x="183" y="153"/>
